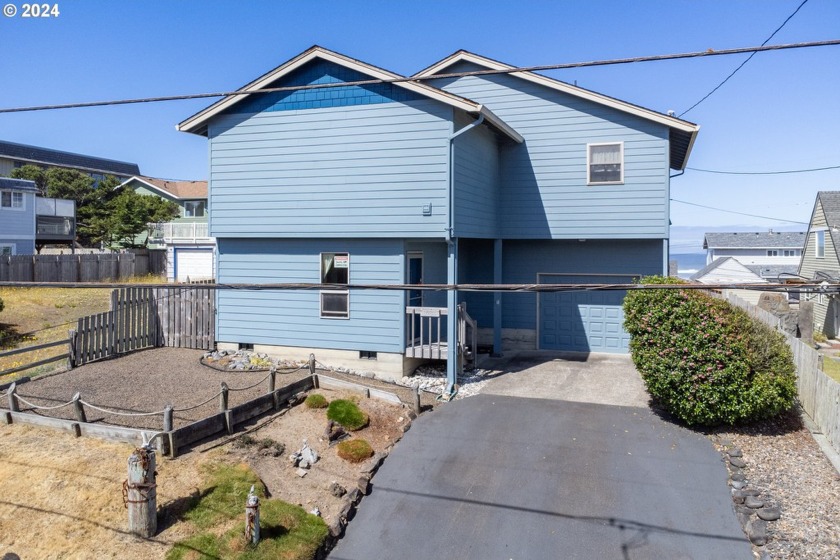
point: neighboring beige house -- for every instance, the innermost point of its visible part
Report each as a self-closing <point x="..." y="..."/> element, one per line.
<point x="820" y="260"/>
<point x="190" y="251"/>
<point x="728" y="270"/>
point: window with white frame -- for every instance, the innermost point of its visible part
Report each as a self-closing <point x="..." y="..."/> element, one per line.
<point x="819" y="246"/>
<point x="195" y="208"/>
<point x="790" y="253"/>
<point x="7" y="249"/>
<point x="772" y="252"/>
<point x="11" y="200"/>
<point x="605" y="163"/>
<point x="335" y="270"/>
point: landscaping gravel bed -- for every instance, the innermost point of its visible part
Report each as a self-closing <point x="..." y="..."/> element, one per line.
<point x="786" y="467"/>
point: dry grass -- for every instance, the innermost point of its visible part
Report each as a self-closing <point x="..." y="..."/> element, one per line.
<point x="831" y="367"/>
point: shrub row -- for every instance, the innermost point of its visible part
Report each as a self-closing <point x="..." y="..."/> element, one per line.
<point x="705" y="361"/>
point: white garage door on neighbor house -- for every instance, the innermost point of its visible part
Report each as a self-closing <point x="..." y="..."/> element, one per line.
<point x="193" y="264"/>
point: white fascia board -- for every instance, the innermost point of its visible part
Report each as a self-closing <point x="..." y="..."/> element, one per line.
<point x="501" y="125"/>
<point x="194" y="122"/>
<point x="155" y="188"/>
<point x="566" y="88"/>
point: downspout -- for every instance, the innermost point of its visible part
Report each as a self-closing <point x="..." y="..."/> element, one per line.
<point x="452" y="270"/>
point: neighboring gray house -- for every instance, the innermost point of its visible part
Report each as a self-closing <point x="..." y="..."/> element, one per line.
<point x="13" y="155"/>
<point x="17" y="217"/>
<point x="728" y="270"/>
<point x="506" y="178"/>
<point x="821" y="262"/>
<point x="772" y="255"/>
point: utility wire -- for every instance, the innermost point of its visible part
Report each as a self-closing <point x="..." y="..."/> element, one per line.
<point x="655" y="58"/>
<point x="739" y="213"/>
<point x="764" y="172"/>
<point x="717" y="87"/>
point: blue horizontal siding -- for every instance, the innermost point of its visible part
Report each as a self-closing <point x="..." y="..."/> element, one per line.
<point x="359" y="171"/>
<point x="544" y="192"/>
<point x="18" y="225"/>
<point x="523" y="260"/>
<point x="292" y="317"/>
<point x="476" y="184"/>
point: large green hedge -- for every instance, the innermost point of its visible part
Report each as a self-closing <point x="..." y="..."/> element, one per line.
<point x="705" y="361"/>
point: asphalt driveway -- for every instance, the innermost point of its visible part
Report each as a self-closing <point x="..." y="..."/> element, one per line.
<point x="500" y="476"/>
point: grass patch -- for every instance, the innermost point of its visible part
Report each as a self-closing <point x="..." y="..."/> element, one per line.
<point x="831" y="367"/>
<point x="348" y="414"/>
<point x="316" y="400"/>
<point x="354" y="450"/>
<point x="287" y="531"/>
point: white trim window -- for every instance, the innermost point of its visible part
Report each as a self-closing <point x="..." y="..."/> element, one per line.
<point x="790" y="253"/>
<point x="7" y="249"/>
<point x="819" y="245"/>
<point x="195" y="208"/>
<point x="12" y="200"/>
<point x="335" y="270"/>
<point x="605" y="163"/>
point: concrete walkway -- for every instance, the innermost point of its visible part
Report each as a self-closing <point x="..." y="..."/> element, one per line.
<point x="501" y="476"/>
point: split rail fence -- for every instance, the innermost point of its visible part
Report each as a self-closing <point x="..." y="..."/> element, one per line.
<point x="819" y="394"/>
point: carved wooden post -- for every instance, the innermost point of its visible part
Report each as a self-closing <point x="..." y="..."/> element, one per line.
<point x="223" y="398"/>
<point x="167" y="418"/>
<point x="79" y="408"/>
<point x="140" y="492"/>
<point x="13" y="401"/>
<point x="312" y="364"/>
<point x="252" y="518"/>
<point x="272" y="383"/>
<point x="168" y="426"/>
<point x="416" y="395"/>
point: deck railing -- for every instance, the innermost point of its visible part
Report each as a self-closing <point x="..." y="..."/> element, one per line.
<point x="426" y="334"/>
<point x="179" y="231"/>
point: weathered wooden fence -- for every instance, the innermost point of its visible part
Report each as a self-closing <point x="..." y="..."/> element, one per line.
<point x="81" y="267"/>
<point x="140" y="318"/>
<point x="819" y="395"/>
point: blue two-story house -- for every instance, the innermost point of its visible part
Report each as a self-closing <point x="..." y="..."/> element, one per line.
<point x="503" y="178"/>
<point x="17" y="217"/>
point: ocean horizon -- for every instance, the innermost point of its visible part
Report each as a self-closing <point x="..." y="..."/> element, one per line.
<point x="688" y="263"/>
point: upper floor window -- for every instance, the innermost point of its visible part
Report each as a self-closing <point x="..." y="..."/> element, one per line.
<point x="11" y="199"/>
<point x="790" y="253"/>
<point x="820" y="245"/>
<point x="335" y="269"/>
<point x="772" y="252"/>
<point x="605" y="163"/>
<point x="195" y="208"/>
<point x="7" y="249"/>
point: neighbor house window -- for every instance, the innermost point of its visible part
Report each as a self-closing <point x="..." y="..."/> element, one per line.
<point x="195" y="209"/>
<point x="790" y="253"/>
<point x="11" y="199"/>
<point x="773" y="253"/>
<point x="335" y="270"/>
<point x="7" y="249"/>
<point x="820" y="245"/>
<point x="605" y="163"/>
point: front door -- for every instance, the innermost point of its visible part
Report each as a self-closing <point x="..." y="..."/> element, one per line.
<point x="415" y="276"/>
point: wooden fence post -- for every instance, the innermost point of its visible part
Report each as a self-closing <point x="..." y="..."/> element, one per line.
<point x="223" y="398"/>
<point x="72" y="350"/>
<point x="140" y="493"/>
<point x="79" y="408"/>
<point x="13" y="401"/>
<point x="312" y="364"/>
<point x="416" y="395"/>
<point x="252" y="518"/>
<point x="272" y="380"/>
<point x="167" y="418"/>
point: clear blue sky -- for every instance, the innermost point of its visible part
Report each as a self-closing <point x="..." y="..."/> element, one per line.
<point x="781" y="111"/>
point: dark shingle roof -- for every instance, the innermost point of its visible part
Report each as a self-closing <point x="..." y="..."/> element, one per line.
<point x="17" y="184"/>
<point x="755" y="240"/>
<point x="774" y="271"/>
<point x="46" y="156"/>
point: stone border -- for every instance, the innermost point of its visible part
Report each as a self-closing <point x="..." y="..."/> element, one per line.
<point x="754" y="508"/>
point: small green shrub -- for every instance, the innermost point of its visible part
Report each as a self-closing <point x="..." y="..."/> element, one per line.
<point x="818" y="335"/>
<point x="705" y="361"/>
<point x="348" y="414"/>
<point x="354" y="450"/>
<point x="316" y="400"/>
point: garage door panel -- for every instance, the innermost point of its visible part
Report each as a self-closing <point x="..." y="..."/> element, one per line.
<point x="195" y="264"/>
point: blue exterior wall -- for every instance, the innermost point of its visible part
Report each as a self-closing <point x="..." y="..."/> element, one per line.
<point x="292" y="317"/>
<point x="522" y="260"/>
<point x="476" y="174"/>
<point x="362" y="163"/>
<point x="544" y="192"/>
<point x="434" y="269"/>
<point x="17" y="226"/>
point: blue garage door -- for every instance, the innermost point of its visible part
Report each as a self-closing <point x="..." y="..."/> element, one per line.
<point x="583" y="321"/>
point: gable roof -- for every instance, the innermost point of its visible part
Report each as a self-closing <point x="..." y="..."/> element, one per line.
<point x="197" y="124"/>
<point x="755" y="240"/>
<point x="175" y="189"/>
<point x="17" y="185"/>
<point x="57" y="158"/>
<point x="830" y="203"/>
<point x="729" y="262"/>
<point x="682" y="133"/>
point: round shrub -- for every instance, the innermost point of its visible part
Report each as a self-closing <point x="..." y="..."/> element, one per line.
<point x="316" y="400"/>
<point x="705" y="361"/>
<point x="354" y="450"/>
<point x="348" y="414"/>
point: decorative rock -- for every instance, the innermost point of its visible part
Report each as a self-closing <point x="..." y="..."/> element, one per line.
<point x="335" y="527"/>
<point x="739" y="476"/>
<point x="373" y="464"/>
<point x="337" y="489"/>
<point x="316" y="511"/>
<point x="750" y="492"/>
<point x="303" y="464"/>
<point x="363" y="485"/>
<point x="301" y="472"/>
<point x="756" y="530"/>
<point x="738" y="484"/>
<point x="355" y="496"/>
<point x="769" y="513"/>
<point x="726" y="442"/>
<point x="737" y="462"/>
<point x="753" y="502"/>
<point x="347" y="510"/>
<point x="735" y="452"/>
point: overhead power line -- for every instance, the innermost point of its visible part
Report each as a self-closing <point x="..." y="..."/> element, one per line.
<point x="726" y="79"/>
<point x="764" y="172"/>
<point x="739" y="213"/>
<point x="655" y="58"/>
